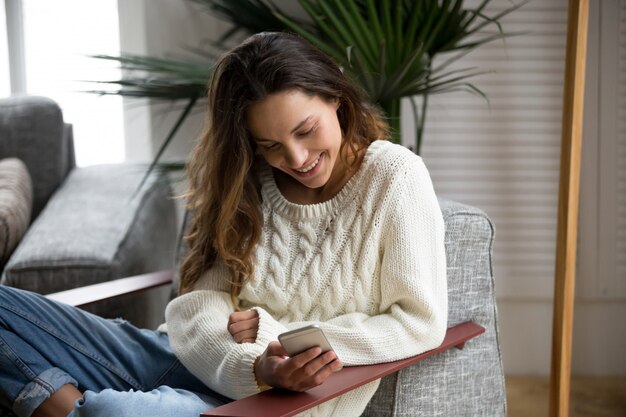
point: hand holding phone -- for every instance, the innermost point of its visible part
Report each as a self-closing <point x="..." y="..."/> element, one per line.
<point x="298" y="340"/>
<point x="303" y="369"/>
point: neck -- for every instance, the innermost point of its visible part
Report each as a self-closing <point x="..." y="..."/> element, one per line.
<point x="297" y="193"/>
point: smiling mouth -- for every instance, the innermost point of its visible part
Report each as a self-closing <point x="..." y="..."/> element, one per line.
<point x="309" y="167"/>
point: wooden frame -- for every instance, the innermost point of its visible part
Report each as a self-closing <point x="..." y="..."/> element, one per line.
<point x="274" y="402"/>
<point x="569" y="187"/>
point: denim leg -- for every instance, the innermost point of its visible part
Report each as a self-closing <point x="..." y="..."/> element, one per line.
<point x="44" y="344"/>
<point x="163" y="402"/>
<point x="39" y="390"/>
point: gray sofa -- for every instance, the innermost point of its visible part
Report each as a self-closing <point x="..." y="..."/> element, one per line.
<point x="88" y="225"/>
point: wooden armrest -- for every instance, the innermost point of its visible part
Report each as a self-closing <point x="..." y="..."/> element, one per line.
<point x="82" y="296"/>
<point x="280" y="403"/>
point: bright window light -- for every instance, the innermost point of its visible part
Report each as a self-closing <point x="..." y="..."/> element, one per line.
<point x="58" y="36"/>
<point x="5" y="80"/>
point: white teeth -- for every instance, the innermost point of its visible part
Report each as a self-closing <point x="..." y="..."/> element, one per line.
<point x="310" y="167"/>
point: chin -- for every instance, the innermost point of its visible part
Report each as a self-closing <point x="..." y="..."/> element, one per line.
<point x="316" y="183"/>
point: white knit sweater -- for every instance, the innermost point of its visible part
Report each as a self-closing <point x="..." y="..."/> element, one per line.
<point x="368" y="266"/>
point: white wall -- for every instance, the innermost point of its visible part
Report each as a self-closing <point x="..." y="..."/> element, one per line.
<point x="502" y="158"/>
<point x="599" y="335"/>
<point x="162" y="28"/>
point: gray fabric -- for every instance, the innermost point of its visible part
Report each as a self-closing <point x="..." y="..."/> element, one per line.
<point x="68" y="139"/>
<point x="16" y="203"/>
<point x="95" y="228"/>
<point x="32" y="129"/>
<point x="467" y="382"/>
<point x="92" y="228"/>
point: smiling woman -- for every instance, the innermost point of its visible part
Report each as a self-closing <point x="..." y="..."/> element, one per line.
<point x="300" y="136"/>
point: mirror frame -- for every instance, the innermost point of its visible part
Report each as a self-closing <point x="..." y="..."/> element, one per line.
<point x="567" y="223"/>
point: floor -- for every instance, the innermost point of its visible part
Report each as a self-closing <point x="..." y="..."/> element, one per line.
<point x="590" y="396"/>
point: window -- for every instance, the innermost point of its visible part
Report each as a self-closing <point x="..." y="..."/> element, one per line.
<point x="5" y="81"/>
<point x="58" y="36"/>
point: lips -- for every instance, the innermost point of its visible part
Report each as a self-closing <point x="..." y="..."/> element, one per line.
<point x="309" y="167"/>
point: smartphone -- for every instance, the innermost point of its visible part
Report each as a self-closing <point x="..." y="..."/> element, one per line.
<point x="298" y="340"/>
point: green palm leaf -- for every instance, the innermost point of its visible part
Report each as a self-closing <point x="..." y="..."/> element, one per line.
<point x="386" y="46"/>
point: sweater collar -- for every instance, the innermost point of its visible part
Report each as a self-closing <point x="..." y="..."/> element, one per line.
<point x="273" y="197"/>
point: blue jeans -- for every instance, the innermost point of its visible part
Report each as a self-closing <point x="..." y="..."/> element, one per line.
<point x="121" y="370"/>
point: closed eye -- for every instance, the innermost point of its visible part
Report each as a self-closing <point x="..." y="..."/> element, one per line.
<point x="271" y="146"/>
<point x="308" y="132"/>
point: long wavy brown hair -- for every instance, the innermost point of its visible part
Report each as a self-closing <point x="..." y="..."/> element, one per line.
<point x="224" y="194"/>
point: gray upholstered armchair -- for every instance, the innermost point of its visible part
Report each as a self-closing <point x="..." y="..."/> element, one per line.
<point x="465" y="382"/>
<point x="84" y="225"/>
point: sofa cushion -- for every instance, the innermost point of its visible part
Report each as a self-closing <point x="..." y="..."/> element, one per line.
<point x="16" y="201"/>
<point x="98" y="226"/>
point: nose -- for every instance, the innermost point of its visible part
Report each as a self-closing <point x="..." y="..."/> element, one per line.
<point x="296" y="155"/>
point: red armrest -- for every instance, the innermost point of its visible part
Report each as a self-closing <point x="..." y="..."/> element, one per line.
<point x="280" y="403"/>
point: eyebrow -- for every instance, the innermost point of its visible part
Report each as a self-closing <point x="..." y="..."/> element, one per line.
<point x="302" y="123"/>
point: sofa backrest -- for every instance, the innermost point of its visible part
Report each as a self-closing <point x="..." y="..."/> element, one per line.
<point x="32" y="129"/>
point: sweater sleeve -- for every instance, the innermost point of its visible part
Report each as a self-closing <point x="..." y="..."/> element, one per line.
<point x="197" y="329"/>
<point x="413" y="307"/>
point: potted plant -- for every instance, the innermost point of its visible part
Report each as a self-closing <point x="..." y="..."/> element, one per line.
<point x="388" y="47"/>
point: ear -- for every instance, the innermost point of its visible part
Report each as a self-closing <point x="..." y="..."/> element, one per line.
<point x="337" y="103"/>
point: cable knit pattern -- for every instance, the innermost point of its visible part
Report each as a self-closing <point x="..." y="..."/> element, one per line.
<point x="368" y="266"/>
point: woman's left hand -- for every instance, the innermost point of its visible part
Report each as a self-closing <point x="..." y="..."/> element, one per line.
<point x="243" y="326"/>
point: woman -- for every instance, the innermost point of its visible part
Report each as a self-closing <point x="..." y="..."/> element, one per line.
<point x="302" y="215"/>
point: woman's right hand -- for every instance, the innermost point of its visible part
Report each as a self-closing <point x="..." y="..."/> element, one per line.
<point x="298" y="373"/>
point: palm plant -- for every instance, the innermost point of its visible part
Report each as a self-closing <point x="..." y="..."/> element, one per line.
<point x="388" y="47"/>
<point x="165" y="79"/>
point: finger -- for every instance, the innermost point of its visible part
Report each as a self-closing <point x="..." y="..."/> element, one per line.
<point x="276" y="349"/>
<point x="243" y="325"/>
<point x="316" y="372"/>
<point x="242" y="315"/>
<point x="316" y="365"/>
<point x="336" y="365"/>
<point x="246" y="315"/>
<point x="300" y="360"/>
<point x="252" y="324"/>
<point x="242" y="336"/>
<point x="324" y="373"/>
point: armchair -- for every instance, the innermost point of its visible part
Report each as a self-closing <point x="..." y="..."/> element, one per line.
<point x="88" y="225"/>
<point x="444" y="382"/>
